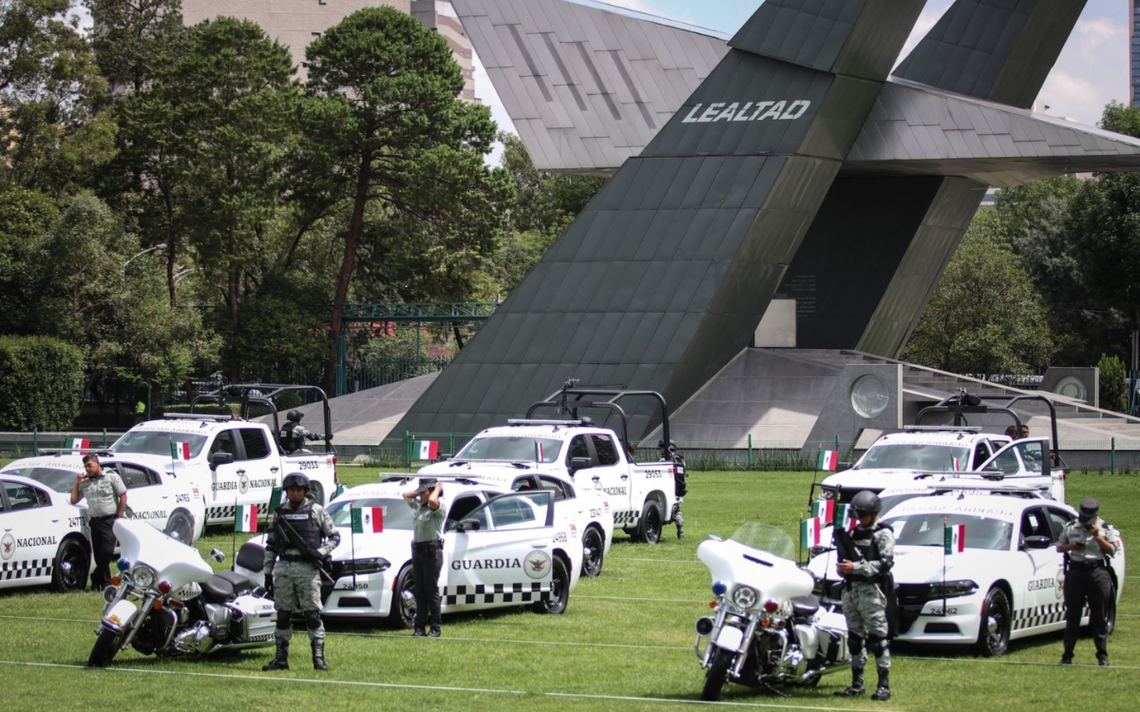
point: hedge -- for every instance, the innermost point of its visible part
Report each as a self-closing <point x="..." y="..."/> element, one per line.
<point x="41" y="383"/>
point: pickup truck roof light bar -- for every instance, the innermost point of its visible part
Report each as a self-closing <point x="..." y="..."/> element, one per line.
<point x="585" y="420"/>
<point x="263" y="394"/>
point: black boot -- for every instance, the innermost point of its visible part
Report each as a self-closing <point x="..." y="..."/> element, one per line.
<point x="856" y="684"/>
<point x="281" y="662"/>
<point x="319" y="654"/>
<point x="884" y="692"/>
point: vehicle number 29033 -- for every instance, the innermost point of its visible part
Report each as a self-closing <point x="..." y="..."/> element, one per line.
<point x="307" y="464"/>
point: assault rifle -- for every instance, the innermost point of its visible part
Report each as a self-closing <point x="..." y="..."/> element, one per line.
<point x="283" y="527"/>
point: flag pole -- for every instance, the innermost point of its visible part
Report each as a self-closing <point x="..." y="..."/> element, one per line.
<point x="945" y="523"/>
<point x="352" y="539"/>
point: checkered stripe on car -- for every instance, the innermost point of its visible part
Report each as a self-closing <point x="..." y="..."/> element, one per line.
<point x="497" y="593"/>
<point x="1038" y="616"/>
<point x="213" y="513"/>
<point x="16" y="570"/>
<point x="625" y="518"/>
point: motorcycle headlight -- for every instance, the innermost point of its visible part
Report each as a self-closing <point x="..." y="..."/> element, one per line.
<point x="952" y="589"/>
<point x="143" y="576"/>
<point x="745" y="597"/>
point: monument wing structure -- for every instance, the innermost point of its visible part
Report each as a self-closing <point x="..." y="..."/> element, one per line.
<point x="783" y="164"/>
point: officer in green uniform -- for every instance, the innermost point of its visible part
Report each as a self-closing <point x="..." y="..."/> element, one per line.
<point x="1087" y="543"/>
<point x="867" y="584"/>
<point x="300" y="539"/>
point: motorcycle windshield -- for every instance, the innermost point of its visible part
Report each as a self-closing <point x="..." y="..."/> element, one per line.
<point x="765" y="537"/>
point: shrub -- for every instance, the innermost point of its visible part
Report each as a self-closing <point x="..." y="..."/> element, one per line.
<point x="41" y="383"/>
<point x="1113" y="394"/>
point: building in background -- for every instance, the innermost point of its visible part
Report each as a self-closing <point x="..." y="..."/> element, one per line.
<point x="296" y="23"/>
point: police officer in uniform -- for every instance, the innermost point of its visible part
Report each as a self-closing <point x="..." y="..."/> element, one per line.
<point x="106" y="497"/>
<point x="1087" y="543"/>
<point x="867" y="583"/>
<point x="301" y="537"/>
<point x="670" y="454"/>
<point x="428" y="519"/>
<point x="293" y="434"/>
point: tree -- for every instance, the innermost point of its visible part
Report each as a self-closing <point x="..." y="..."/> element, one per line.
<point x="24" y="217"/>
<point x="389" y="140"/>
<point x="984" y="317"/>
<point x="50" y="88"/>
<point x="129" y="34"/>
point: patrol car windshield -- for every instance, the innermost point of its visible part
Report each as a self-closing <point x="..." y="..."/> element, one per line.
<point x="926" y="458"/>
<point x="395" y="513"/>
<point x="928" y="530"/>
<point x="511" y="449"/>
<point x="58" y="480"/>
<point x="158" y="442"/>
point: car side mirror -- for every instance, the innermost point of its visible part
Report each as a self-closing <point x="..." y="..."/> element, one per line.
<point x="579" y="463"/>
<point x="443" y="456"/>
<point x="1037" y="541"/>
<point x="464" y="525"/>
<point x="220" y="458"/>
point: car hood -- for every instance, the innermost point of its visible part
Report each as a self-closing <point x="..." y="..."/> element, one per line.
<point x="926" y="564"/>
<point x="871" y="479"/>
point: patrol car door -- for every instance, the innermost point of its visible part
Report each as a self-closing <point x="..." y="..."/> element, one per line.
<point x="146" y="500"/>
<point x="30" y="532"/>
<point x="1041" y="596"/>
<point x="508" y="560"/>
<point x="259" y="467"/>
<point x="224" y="478"/>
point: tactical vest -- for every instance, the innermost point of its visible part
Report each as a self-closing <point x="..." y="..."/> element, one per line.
<point x="679" y="486"/>
<point x="289" y="441"/>
<point x="303" y="522"/>
<point x="864" y="540"/>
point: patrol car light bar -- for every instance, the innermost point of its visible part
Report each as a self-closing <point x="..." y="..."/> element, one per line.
<point x="216" y="417"/>
<point x="525" y="421"/>
<point x="942" y="428"/>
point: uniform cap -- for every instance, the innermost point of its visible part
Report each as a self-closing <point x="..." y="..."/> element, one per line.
<point x="1090" y="508"/>
<point x="427" y="484"/>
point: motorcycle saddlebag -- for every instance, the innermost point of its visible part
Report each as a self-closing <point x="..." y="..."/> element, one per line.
<point x="258" y="619"/>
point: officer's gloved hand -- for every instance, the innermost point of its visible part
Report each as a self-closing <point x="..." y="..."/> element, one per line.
<point x="269" y="584"/>
<point x="313" y="436"/>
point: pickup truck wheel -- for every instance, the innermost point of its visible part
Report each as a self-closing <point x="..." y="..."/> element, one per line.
<point x="649" y="530"/>
<point x="559" y="590"/>
<point x="593" y="541"/>
<point x="402" y="614"/>
<point x="181" y="527"/>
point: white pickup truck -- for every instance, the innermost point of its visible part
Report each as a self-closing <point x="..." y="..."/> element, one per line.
<point x="234" y="461"/>
<point x="641" y="496"/>
<point x="924" y="454"/>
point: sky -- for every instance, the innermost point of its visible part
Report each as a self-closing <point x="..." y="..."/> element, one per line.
<point x="1091" y="71"/>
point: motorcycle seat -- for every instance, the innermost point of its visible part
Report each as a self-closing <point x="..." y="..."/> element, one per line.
<point x="240" y="582"/>
<point x="805" y="606"/>
<point x="225" y="585"/>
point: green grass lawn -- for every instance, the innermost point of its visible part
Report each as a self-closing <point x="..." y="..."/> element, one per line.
<point x="625" y="642"/>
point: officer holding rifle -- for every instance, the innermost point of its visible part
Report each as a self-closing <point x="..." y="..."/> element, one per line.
<point x="297" y="548"/>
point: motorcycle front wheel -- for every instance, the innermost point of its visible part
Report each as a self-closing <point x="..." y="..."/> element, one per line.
<point x="717" y="674"/>
<point x="105" y="648"/>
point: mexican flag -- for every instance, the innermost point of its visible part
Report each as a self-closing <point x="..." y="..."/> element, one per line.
<point x="367" y="519"/>
<point x="824" y="509"/>
<point x="246" y="518"/>
<point x="78" y="444"/>
<point x="810" y="532"/>
<point x="180" y="451"/>
<point x="275" y="497"/>
<point x="427" y="449"/>
<point x="955" y="538"/>
<point x="844" y="518"/>
<point x="828" y="459"/>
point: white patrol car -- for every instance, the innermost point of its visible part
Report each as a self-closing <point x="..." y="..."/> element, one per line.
<point x="587" y="512"/>
<point x="640" y="496"/>
<point x="43" y="537"/>
<point x="499" y="550"/>
<point x="232" y="461"/>
<point x="1007" y="584"/>
<point x="167" y="503"/>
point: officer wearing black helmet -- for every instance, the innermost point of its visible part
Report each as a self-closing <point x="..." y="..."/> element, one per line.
<point x="293" y="435"/>
<point x="1087" y="542"/>
<point x="669" y="454"/>
<point x="301" y="538"/>
<point x="867" y="584"/>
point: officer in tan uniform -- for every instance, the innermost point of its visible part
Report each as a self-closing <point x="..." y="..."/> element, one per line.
<point x="1087" y="543"/>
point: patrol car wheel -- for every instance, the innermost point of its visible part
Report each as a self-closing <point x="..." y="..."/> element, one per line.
<point x="649" y="530"/>
<point x="71" y="567"/>
<point x="559" y="590"/>
<point x="403" y="612"/>
<point x="717" y="675"/>
<point x="105" y="648"/>
<point x="596" y="543"/>
<point x="181" y="527"/>
<point x="993" y="638"/>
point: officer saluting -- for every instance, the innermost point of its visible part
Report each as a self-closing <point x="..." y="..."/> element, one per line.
<point x="1087" y="545"/>
<point x="868" y="554"/>
<point x="300" y="540"/>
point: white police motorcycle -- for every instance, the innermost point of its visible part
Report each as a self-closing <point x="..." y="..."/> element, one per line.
<point x="166" y="600"/>
<point x="768" y="629"/>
